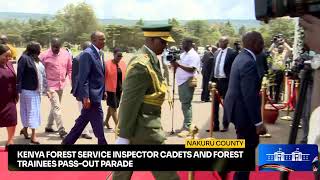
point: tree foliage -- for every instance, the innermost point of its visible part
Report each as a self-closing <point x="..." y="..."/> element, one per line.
<point x="278" y="26"/>
<point x="75" y="22"/>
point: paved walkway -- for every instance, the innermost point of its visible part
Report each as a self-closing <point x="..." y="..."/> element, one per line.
<point x="201" y="113"/>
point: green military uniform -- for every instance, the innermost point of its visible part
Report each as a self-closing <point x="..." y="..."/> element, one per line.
<point x="144" y="92"/>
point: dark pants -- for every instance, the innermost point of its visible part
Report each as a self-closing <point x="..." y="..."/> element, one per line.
<point x="158" y="175"/>
<point x="306" y="114"/>
<point x="276" y="89"/>
<point x="205" y="94"/>
<point x="94" y="115"/>
<point x="252" y="141"/>
<point x="222" y="87"/>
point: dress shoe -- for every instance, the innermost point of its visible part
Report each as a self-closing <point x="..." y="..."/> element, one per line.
<point x="6" y="148"/>
<point x="24" y="133"/>
<point x="86" y="136"/>
<point x="49" y="130"/>
<point x="267" y="135"/>
<point x="62" y="134"/>
<point x="224" y="130"/>
<point x="214" y="130"/>
<point x="184" y="134"/>
<point x="107" y="125"/>
<point x="34" y="142"/>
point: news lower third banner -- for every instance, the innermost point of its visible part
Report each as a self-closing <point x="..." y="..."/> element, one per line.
<point x="128" y="157"/>
<point x="288" y="157"/>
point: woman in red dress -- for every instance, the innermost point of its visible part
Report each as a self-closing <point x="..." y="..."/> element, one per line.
<point x="9" y="96"/>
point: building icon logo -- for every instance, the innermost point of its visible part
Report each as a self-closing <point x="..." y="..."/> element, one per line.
<point x="287" y="157"/>
<point x="293" y="156"/>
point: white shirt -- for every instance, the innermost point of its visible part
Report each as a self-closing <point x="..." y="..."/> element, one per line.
<point x="189" y="59"/>
<point x="253" y="55"/>
<point x="221" y="74"/>
<point x="98" y="51"/>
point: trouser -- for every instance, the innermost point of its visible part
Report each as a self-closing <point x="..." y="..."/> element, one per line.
<point x="185" y="97"/>
<point x="159" y="175"/>
<point x="205" y="94"/>
<point x="94" y="115"/>
<point x="278" y="81"/>
<point x="222" y="87"/>
<point x="252" y="141"/>
<point x="55" y="112"/>
<point x="86" y="129"/>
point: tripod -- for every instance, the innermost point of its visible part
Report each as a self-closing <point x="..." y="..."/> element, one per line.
<point x="173" y="91"/>
<point x="305" y="80"/>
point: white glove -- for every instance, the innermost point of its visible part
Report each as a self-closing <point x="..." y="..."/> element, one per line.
<point x="315" y="62"/>
<point x="314" y="133"/>
<point x="121" y="140"/>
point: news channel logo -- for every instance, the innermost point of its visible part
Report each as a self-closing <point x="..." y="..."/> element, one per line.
<point x="288" y="157"/>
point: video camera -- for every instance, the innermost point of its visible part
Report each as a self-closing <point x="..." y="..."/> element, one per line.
<point x="172" y="55"/>
<point x="266" y="9"/>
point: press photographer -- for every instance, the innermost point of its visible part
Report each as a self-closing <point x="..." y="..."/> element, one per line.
<point x="280" y="52"/>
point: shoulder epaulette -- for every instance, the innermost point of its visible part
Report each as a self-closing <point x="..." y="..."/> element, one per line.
<point x="142" y="59"/>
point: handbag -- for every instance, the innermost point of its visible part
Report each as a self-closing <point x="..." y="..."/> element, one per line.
<point x="192" y="82"/>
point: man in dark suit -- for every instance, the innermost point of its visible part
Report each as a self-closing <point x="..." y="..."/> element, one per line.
<point x="262" y="63"/>
<point x="74" y="81"/>
<point x="221" y="67"/>
<point x="90" y="90"/>
<point x="242" y="102"/>
<point x="206" y="70"/>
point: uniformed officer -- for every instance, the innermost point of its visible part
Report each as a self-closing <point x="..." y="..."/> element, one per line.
<point x="144" y="92"/>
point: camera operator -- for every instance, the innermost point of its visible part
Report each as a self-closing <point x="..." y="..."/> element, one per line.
<point x="311" y="27"/>
<point x="296" y="73"/>
<point x="186" y="70"/>
<point x="280" y="52"/>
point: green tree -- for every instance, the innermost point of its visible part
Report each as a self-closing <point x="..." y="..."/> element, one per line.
<point x="40" y="31"/>
<point x="200" y="30"/>
<point x="140" y="23"/>
<point x="227" y="30"/>
<point x="242" y="30"/>
<point x="174" y="22"/>
<point x="75" y="20"/>
<point x="283" y="26"/>
<point x="13" y="29"/>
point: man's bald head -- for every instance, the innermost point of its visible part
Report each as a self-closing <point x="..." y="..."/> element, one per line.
<point x="3" y="39"/>
<point x="98" y="39"/>
<point x="85" y="45"/>
<point x="253" y="41"/>
<point x="56" y="45"/>
<point x="223" y="42"/>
